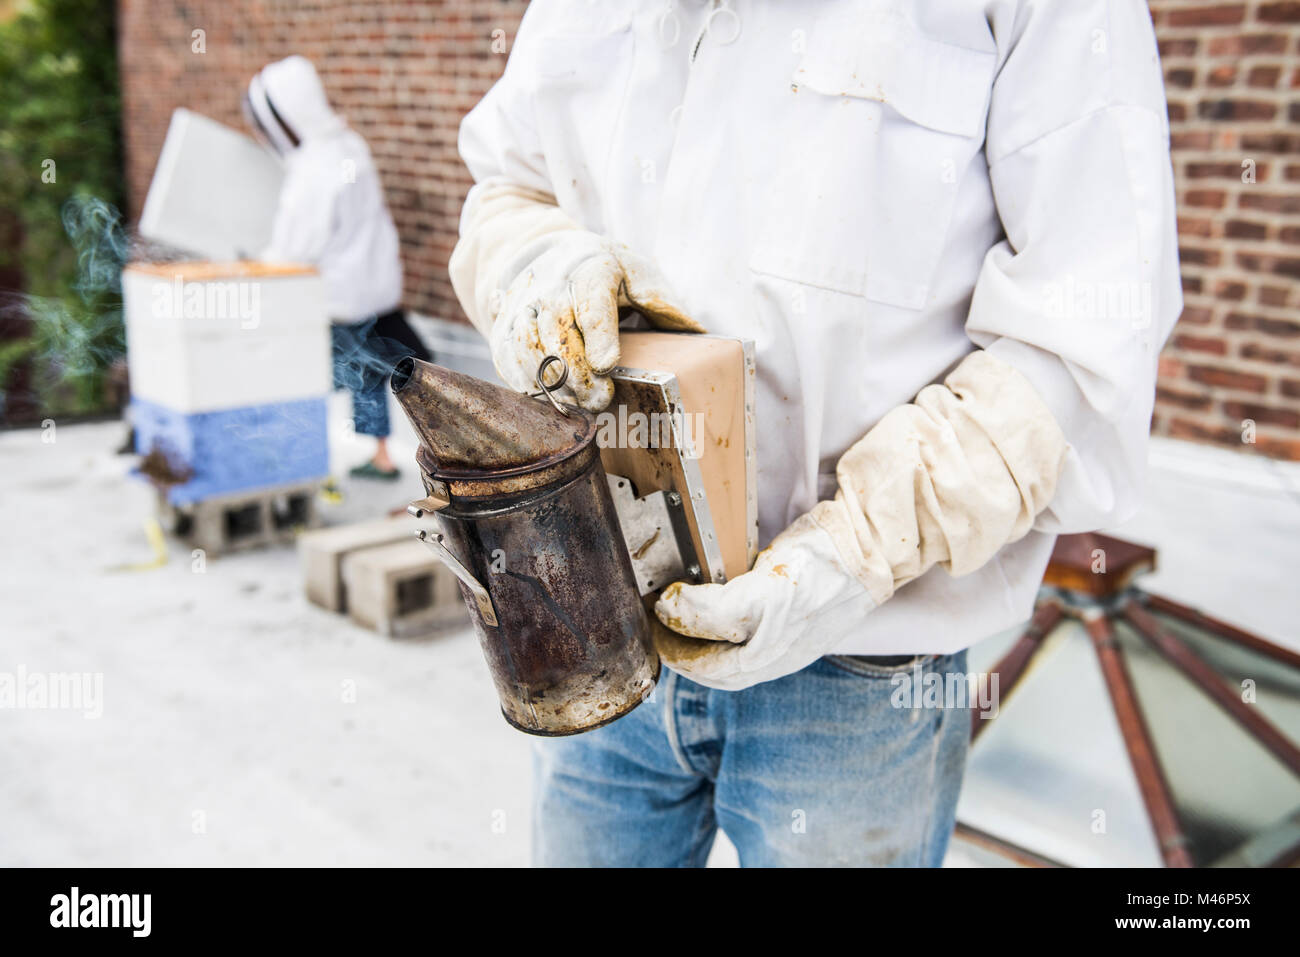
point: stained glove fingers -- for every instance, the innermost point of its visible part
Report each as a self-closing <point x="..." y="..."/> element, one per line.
<point x="516" y="349"/>
<point x="708" y="611"/>
<point x="645" y="289"/>
<point x="595" y="303"/>
<point x="560" y="336"/>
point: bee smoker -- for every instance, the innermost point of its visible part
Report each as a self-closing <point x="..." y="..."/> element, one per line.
<point x="525" y="520"/>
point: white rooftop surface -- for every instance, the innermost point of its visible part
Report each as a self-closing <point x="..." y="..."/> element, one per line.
<point x="228" y="737"/>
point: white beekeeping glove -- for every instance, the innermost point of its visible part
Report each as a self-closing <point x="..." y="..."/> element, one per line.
<point x="535" y="284"/>
<point x="947" y="479"/>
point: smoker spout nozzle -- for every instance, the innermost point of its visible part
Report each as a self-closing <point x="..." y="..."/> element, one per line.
<point x="468" y="425"/>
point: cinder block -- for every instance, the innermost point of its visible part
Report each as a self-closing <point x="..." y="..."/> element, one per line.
<point x="402" y="591"/>
<point x="322" y="553"/>
<point x="249" y="519"/>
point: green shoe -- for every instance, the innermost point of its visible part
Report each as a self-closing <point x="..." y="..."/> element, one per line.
<point x="372" y="471"/>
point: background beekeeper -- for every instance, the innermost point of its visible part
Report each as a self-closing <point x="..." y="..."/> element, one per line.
<point x="949" y="229"/>
<point x="332" y="214"/>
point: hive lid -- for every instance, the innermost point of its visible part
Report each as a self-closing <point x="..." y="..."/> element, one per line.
<point x="471" y="429"/>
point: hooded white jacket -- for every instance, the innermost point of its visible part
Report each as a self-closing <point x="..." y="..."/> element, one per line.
<point x="331" y="210"/>
<point x="870" y="189"/>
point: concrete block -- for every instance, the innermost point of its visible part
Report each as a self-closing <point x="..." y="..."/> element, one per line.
<point x="402" y="591"/>
<point x="322" y="553"/>
<point x="248" y="519"/>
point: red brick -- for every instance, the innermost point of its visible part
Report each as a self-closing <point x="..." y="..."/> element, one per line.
<point x="1229" y="291"/>
<point x="1288" y="266"/>
<point x="1259" y="353"/>
<point x="1196" y="140"/>
<point x="1224" y="75"/>
<point x="1177" y="46"/>
<point x="1263" y="414"/>
<point x="1278" y="448"/>
<point x="1206" y="16"/>
<point x="1184" y="400"/>
<point x="1231" y="171"/>
<point x="1227" y="378"/>
<point x="1267" y="143"/>
<point x="1210" y="198"/>
<point x="1236" y="110"/>
<point x="1200" y="344"/>
<point x="1269" y="326"/>
<point x="1288" y="203"/>
<point x="1264" y="77"/>
<point x="1279" y="13"/>
<point x="1233" y="45"/>
<point x="1274" y="295"/>
<point x="1191" y="255"/>
<point x="1240" y="229"/>
<point x="1182" y="428"/>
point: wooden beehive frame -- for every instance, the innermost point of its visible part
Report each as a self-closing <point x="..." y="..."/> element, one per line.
<point x="709" y="379"/>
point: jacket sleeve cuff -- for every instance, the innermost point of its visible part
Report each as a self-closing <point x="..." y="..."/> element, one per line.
<point x="499" y="219"/>
<point x="947" y="479"/>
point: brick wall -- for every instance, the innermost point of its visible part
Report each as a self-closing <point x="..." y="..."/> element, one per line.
<point x="405" y="72"/>
<point x="1232" y="74"/>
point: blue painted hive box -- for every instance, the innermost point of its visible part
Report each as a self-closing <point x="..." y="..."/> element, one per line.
<point x="199" y="455"/>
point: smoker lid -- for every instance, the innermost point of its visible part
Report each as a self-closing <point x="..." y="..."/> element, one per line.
<point x="471" y="430"/>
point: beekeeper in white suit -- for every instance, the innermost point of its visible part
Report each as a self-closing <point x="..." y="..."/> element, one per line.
<point x="331" y="214"/>
<point x="949" y="228"/>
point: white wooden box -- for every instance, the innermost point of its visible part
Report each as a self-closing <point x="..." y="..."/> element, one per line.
<point x="214" y="190"/>
<point x="204" y="337"/>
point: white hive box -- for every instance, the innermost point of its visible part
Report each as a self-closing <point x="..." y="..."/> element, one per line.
<point x="204" y="336"/>
<point x="213" y="192"/>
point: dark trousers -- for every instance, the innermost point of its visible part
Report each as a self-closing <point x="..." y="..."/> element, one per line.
<point x="364" y="355"/>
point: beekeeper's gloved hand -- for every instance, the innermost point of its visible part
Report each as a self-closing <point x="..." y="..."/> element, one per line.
<point x="535" y="284"/>
<point x="796" y="604"/>
<point x="564" y="301"/>
<point x="947" y="479"/>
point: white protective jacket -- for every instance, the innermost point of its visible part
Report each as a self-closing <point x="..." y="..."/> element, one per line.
<point x="871" y="189"/>
<point x="331" y="212"/>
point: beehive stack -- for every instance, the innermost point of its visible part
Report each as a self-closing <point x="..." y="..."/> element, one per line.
<point x="230" y="372"/>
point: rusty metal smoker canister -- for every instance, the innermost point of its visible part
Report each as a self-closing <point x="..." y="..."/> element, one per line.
<point x="526" y="521"/>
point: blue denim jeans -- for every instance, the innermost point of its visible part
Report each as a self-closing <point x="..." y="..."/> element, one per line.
<point x="817" y="768"/>
<point x="364" y="355"/>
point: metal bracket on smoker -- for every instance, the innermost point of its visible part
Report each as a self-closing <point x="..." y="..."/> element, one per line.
<point x="693" y="496"/>
<point x="657" y="534"/>
<point x="481" y="598"/>
<point x="436" y="500"/>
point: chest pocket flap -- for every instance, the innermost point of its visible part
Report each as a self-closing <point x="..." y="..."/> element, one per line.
<point x="887" y="59"/>
<point x="884" y="121"/>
